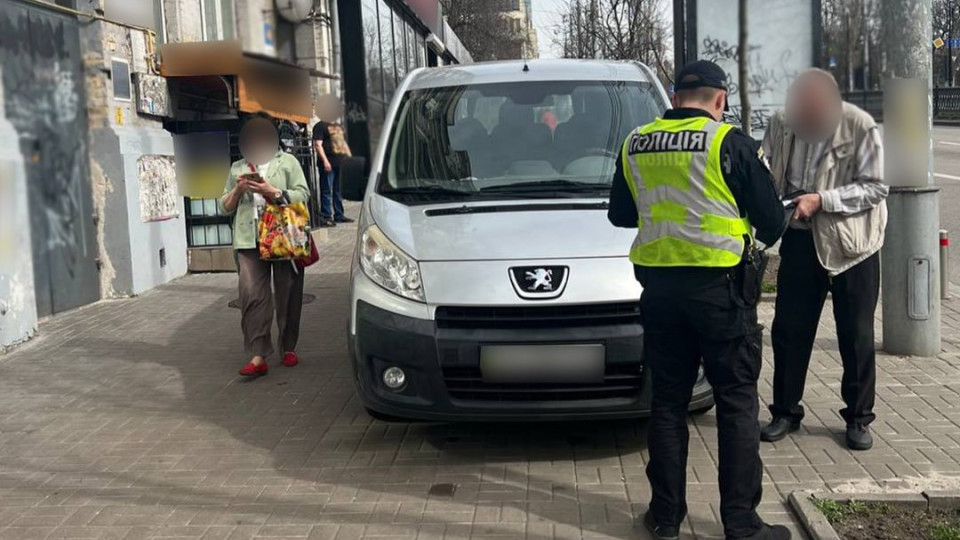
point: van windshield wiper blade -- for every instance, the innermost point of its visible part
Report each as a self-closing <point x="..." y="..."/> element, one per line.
<point x="427" y="190"/>
<point x="549" y="185"/>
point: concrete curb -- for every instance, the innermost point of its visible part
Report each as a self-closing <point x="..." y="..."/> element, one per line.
<point x="818" y="527"/>
<point x="942" y="500"/>
<point x="813" y="521"/>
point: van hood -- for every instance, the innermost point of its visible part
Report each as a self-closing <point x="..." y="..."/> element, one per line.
<point x="502" y="230"/>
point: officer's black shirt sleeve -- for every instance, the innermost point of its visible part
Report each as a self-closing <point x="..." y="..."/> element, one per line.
<point x="747" y="176"/>
<point x="623" y="209"/>
<point x="752" y="186"/>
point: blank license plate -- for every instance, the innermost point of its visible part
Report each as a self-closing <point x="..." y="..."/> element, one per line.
<point x="580" y="363"/>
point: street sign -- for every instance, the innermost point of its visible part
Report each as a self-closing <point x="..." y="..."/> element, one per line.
<point x="954" y="43"/>
<point x="833" y="61"/>
<point x="938" y="43"/>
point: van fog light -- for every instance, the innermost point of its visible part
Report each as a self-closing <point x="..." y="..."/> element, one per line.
<point x="394" y="377"/>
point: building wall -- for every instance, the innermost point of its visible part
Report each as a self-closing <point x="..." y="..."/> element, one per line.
<point x="18" y="307"/>
<point x="316" y="49"/>
<point x="257" y="26"/>
<point x="521" y="19"/>
<point x="135" y="197"/>
<point x="183" y="21"/>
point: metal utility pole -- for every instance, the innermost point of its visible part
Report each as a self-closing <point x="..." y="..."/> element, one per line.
<point x="679" y="37"/>
<point x="950" y="61"/>
<point x="848" y="26"/>
<point x="910" y="256"/>
<point x="746" y="113"/>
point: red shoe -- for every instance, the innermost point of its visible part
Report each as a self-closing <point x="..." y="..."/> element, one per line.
<point x="254" y="370"/>
<point x="290" y="359"/>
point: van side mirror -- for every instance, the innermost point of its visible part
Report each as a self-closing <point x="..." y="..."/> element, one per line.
<point x="353" y="178"/>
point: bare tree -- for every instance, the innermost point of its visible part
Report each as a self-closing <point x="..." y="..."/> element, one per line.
<point x="617" y="30"/>
<point x="851" y="36"/>
<point x="946" y="25"/>
<point x="745" y="111"/>
<point x="484" y="30"/>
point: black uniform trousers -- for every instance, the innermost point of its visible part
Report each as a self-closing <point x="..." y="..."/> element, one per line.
<point x="802" y="287"/>
<point x="691" y="314"/>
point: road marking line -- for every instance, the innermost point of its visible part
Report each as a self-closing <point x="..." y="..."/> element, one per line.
<point x="948" y="143"/>
<point x="947" y="177"/>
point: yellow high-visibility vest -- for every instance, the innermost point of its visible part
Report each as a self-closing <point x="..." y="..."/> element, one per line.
<point x="688" y="215"/>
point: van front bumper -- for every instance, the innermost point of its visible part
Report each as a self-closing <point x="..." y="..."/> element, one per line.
<point x="441" y="362"/>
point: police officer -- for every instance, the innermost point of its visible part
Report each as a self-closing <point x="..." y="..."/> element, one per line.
<point x="696" y="188"/>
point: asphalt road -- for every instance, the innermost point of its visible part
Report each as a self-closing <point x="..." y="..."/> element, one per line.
<point x="946" y="166"/>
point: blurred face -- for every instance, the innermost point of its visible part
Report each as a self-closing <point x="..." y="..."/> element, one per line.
<point x="328" y="108"/>
<point x="814" y="107"/>
<point x="259" y="141"/>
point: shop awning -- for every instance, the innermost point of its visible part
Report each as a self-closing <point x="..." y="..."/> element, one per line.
<point x="262" y="84"/>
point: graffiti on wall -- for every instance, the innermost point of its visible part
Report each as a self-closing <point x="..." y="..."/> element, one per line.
<point x="44" y="91"/>
<point x="781" y="46"/>
<point x="42" y="103"/>
<point x="158" y="187"/>
<point x="153" y="95"/>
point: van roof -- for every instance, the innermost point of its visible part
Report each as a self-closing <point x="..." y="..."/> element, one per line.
<point x="539" y="70"/>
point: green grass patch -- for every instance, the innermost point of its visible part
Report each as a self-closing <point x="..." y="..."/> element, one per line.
<point x="945" y="532"/>
<point x="768" y="288"/>
<point x="836" y="511"/>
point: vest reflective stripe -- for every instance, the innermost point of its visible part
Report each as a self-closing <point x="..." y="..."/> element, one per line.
<point x="688" y="215"/>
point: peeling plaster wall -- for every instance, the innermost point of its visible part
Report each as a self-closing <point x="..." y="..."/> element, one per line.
<point x="18" y="305"/>
<point x="130" y="246"/>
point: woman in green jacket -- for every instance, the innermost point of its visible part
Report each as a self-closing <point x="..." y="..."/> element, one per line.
<point x="278" y="180"/>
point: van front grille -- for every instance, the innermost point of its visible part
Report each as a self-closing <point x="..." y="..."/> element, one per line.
<point x="467" y="384"/>
<point x="571" y="316"/>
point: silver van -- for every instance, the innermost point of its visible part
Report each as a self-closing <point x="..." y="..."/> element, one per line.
<point x="487" y="283"/>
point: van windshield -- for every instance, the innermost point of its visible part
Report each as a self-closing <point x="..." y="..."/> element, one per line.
<point x="519" y="139"/>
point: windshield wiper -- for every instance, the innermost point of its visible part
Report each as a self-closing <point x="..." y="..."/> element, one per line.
<point x="427" y="190"/>
<point x="568" y="186"/>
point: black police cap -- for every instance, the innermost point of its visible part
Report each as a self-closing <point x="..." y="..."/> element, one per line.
<point x="701" y="74"/>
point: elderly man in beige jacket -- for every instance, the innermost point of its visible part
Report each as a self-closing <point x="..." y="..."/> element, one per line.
<point x="827" y="158"/>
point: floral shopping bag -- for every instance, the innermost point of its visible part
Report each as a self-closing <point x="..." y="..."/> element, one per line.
<point x="283" y="232"/>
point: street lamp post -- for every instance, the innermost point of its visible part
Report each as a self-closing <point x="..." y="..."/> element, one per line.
<point x="910" y="256"/>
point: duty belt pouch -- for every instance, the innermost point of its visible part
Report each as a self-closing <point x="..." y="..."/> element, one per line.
<point x="748" y="278"/>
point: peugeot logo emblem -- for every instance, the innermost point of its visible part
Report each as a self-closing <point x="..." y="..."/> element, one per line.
<point x="542" y="279"/>
<point x="539" y="282"/>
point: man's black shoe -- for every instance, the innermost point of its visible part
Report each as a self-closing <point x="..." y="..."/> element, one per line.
<point x="769" y="532"/>
<point x="327" y="223"/>
<point x="777" y="429"/>
<point x="659" y="532"/>
<point x="344" y="220"/>
<point x="858" y="437"/>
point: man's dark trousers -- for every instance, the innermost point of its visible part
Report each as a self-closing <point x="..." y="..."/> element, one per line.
<point x="689" y="314"/>
<point x="802" y="288"/>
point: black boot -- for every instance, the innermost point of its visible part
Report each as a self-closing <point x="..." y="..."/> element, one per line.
<point x="858" y="437"/>
<point x="659" y="532"/>
<point x="778" y="428"/>
<point x="768" y="532"/>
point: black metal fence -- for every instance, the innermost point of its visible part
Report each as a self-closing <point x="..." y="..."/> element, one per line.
<point x="946" y="102"/>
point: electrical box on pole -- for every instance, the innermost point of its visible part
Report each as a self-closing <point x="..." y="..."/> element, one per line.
<point x="910" y="257"/>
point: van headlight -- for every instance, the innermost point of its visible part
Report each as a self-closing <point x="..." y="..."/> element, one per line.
<point x="389" y="267"/>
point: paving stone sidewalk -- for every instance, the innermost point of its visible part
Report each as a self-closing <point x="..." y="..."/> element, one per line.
<point x="125" y="420"/>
